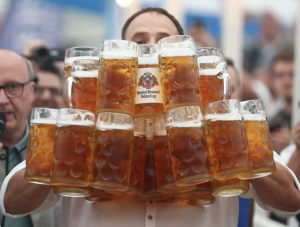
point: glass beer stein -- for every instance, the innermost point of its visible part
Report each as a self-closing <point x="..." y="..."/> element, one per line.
<point x="73" y="152"/>
<point x="40" y="145"/>
<point x="148" y="100"/>
<point x="164" y="172"/>
<point x="258" y="137"/>
<point x="190" y="159"/>
<point x="179" y="71"/>
<point x="82" y="85"/>
<point x="116" y="87"/>
<point x="226" y="139"/>
<point x="73" y="54"/>
<point x="113" y="151"/>
<point x="214" y="81"/>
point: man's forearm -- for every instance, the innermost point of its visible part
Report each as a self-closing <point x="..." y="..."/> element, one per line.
<point x="294" y="163"/>
<point x="278" y="190"/>
<point x="22" y="197"/>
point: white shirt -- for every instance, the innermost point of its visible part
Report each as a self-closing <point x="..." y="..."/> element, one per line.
<point x="78" y="212"/>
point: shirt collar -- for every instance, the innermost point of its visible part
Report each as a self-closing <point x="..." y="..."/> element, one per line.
<point x="22" y="144"/>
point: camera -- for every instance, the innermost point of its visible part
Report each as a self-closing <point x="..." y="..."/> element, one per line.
<point x="43" y="55"/>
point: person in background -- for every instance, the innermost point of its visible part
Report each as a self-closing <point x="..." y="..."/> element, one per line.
<point x="17" y="84"/>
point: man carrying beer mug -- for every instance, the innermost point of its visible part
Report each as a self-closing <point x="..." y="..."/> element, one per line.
<point x="275" y="192"/>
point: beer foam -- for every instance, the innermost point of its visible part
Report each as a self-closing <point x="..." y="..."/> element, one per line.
<point x="118" y="54"/>
<point x="148" y="60"/>
<point x="104" y="127"/>
<point x="186" y="124"/>
<point x="85" y="74"/>
<point x="176" y="52"/>
<point x="43" y="121"/>
<point x="209" y="72"/>
<point x="160" y="133"/>
<point x="254" y="117"/>
<point x="77" y="123"/>
<point x="223" y="117"/>
<point x="69" y="61"/>
<point x="208" y="59"/>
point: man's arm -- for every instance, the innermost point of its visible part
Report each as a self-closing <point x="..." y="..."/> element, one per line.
<point x="278" y="190"/>
<point x="22" y="197"/>
<point x="294" y="162"/>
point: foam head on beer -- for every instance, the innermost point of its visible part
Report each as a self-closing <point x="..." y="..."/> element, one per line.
<point x="119" y="49"/>
<point x="187" y="116"/>
<point x="68" y="116"/>
<point x="114" y="121"/>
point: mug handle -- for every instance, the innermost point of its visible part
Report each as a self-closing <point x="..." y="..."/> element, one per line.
<point x="69" y="82"/>
<point x="227" y="85"/>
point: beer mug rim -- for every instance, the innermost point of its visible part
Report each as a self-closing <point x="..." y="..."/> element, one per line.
<point x="159" y="126"/>
<point x="180" y="45"/>
<point x="184" y="116"/>
<point x="69" y="116"/>
<point x="117" y="123"/>
<point x="119" y="49"/>
<point x="79" y="49"/>
<point x="91" y="73"/>
<point x="46" y="119"/>
<point x="253" y="107"/>
<point x="230" y="110"/>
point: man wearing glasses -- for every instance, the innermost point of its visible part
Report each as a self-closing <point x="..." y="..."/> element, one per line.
<point x="17" y="83"/>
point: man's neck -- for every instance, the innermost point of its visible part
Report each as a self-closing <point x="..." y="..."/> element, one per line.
<point x="10" y="139"/>
<point x="288" y="106"/>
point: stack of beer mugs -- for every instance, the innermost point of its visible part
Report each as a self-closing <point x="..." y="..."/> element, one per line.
<point x="149" y="122"/>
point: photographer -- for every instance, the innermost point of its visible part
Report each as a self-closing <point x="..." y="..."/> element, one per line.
<point x="48" y="91"/>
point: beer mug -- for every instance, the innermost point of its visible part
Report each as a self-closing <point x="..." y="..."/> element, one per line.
<point x="179" y="71"/>
<point x="214" y="81"/>
<point x="150" y="191"/>
<point x="116" y="87"/>
<point x="226" y="139"/>
<point x="230" y="187"/>
<point x="148" y="100"/>
<point x="40" y="145"/>
<point x="73" y="152"/>
<point x="113" y="151"/>
<point x="73" y="54"/>
<point x="82" y="85"/>
<point x="190" y="158"/>
<point x="258" y="136"/>
<point x="98" y="195"/>
<point x="136" y="180"/>
<point x="202" y="194"/>
<point x="164" y="172"/>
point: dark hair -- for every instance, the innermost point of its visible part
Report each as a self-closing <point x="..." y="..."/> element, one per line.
<point x="152" y="9"/>
<point x="50" y="67"/>
<point x="285" y="55"/>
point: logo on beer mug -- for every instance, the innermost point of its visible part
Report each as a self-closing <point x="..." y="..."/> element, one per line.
<point x="148" y="80"/>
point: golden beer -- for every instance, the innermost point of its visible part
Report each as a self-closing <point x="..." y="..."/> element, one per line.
<point x="73" y="154"/>
<point x="84" y="90"/>
<point x="163" y="164"/>
<point x="116" y="87"/>
<point x="98" y="195"/>
<point x="260" y="149"/>
<point x="113" y="153"/>
<point x="191" y="164"/>
<point x="179" y="78"/>
<point x="202" y="193"/>
<point x="40" y="151"/>
<point x="211" y="88"/>
<point x="228" y="146"/>
<point x="230" y="187"/>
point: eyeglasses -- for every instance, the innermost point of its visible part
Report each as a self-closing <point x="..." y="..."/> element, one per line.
<point x="52" y="90"/>
<point x="13" y="90"/>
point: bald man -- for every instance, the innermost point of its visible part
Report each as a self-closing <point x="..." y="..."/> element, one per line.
<point x="17" y="84"/>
